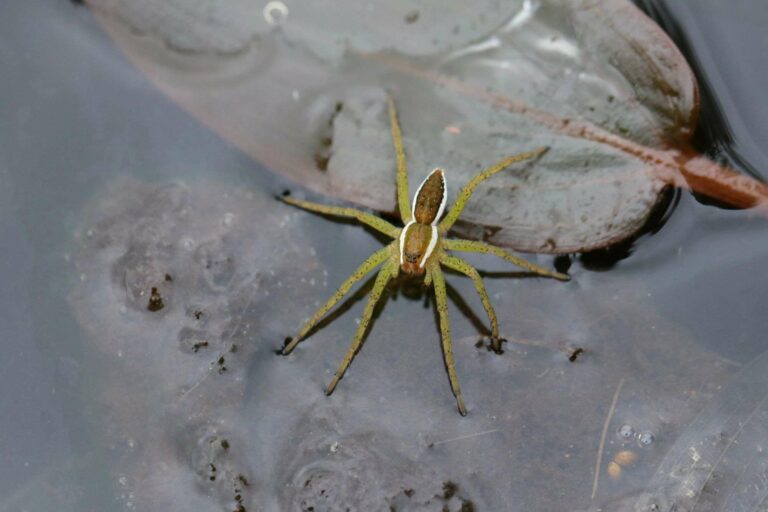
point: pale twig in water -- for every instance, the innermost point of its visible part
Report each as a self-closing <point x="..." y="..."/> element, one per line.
<point x="602" y="436"/>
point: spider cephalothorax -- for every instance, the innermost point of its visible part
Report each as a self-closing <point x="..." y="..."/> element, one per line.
<point x="419" y="248"/>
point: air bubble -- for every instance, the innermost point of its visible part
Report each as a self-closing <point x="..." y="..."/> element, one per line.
<point x="193" y="340"/>
<point x="645" y="438"/>
<point x="275" y="13"/>
<point x="626" y="432"/>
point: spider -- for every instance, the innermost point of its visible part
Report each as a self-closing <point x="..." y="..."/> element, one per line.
<point x="418" y="249"/>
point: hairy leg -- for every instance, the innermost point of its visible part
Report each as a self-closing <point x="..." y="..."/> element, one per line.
<point x="385" y="274"/>
<point x="402" y="168"/>
<point x="466" y="192"/>
<point x="372" y="262"/>
<point x="376" y="223"/>
<point x="441" y="300"/>
<point x="474" y="246"/>
<point x="459" y="265"/>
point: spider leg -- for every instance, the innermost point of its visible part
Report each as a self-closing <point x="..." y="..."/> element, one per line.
<point x="386" y="272"/>
<point x="376" y="223"/>
<point x="441" y="300"/>
<point x="466" y="191"/>
<point x="458" y="264"/>
<point x="402" y="168"/>
<point x="372" y="262"/>
<point x="474" y="246"/>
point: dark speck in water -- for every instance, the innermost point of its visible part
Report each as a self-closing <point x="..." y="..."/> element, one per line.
<point x="412" y="17"/>
<point x="449" y="490"/>
<point x="155" y="300"/>
<point x="575" y="353"/>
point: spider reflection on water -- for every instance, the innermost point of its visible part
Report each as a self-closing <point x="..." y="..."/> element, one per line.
<point x="419" y="249"/>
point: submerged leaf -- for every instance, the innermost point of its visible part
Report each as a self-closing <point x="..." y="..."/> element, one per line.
<point x="302" y="90"/>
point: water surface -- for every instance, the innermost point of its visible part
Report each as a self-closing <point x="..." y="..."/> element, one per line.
<point x="109" y="189"/>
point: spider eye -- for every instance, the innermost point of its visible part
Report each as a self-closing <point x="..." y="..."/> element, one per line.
<point x="412" y="257"/>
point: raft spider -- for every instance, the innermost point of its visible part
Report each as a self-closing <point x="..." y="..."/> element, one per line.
<point x="419" y="249"/>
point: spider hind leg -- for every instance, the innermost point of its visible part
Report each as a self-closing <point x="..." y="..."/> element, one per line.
<point x="460" y="265"/>
<point x="367" y="266"/>
<point x="385" y="274"/>
<point x="441" y="300"/>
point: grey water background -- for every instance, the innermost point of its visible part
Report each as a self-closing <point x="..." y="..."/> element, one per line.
<point x="77" y="119"/>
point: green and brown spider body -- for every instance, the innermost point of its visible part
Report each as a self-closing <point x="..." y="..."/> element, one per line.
<point x="420" y="236"/>
<point x="420" y="249"/>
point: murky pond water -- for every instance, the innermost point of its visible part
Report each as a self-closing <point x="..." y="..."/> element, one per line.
<point x="149" y="275"/>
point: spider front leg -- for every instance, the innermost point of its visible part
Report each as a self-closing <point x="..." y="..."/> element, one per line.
<point x="402" y="168"/>
<point x="389" y="270"/>
<point x="466" y="192"/>
<point x="372" y="262"/>
<point x="441" y="300"/>
<point x="482" y="247"/>
<point x="376" y="223"/>
<point x="459" y="265"/>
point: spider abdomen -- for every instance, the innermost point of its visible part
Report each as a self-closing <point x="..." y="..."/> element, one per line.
<point x="430" y="198"/>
